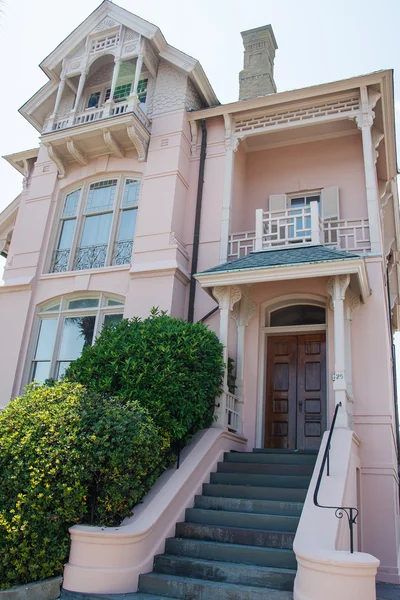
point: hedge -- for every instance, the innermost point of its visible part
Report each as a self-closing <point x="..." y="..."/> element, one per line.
<point x="171" y="367"/>
<point x="68" y="456"/>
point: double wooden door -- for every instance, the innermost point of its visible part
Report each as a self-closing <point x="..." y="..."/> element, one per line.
<point x="295" y="415"/>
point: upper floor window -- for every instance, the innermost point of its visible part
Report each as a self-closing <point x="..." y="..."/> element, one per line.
<point x="97" y="226"/>
<point x="301" y="215"/>
<point x="65" y="327"/>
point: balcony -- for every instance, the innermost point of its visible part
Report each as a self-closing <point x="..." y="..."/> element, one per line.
<point x="89" y="115"/>
<point x="298" y="227"/>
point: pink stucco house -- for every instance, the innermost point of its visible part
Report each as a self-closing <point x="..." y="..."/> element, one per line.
<point x="275" y="221"/>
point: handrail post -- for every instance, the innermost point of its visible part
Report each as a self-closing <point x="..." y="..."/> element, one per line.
<point x="259" y="229"/>
<point x="315" y="226"/>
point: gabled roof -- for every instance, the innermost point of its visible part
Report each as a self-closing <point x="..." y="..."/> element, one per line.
<point x="52" y="64"/>
<point x="282" y="257"/>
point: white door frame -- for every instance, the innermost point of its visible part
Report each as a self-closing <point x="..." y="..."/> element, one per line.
<point x="265" y="332"/>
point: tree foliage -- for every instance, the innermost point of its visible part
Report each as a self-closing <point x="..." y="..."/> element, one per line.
<point x="171" y="367"/>
<point x="68" y="456"/>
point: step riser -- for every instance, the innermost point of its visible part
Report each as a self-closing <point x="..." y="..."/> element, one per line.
<point x="268" y="458"/>
<point x="262" y="469"/>
<point x="281" y="451"/>
<point x="230" y="535"/>
<point x="187" y="589"/>
<point x="237" y="574"/>
<point x="289" y="481"/>
<point x="269" y="507"/>
<point x="253" y="521"/>
<point x="254" y="492"/>
<point x="263" y="557"/>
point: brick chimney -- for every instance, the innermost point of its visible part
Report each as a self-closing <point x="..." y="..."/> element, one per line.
<point x="257" y="76"/>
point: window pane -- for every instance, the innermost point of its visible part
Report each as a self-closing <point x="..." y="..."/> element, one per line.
<point x="67" y="233"/>
<point x="62" y="366"/>
<point x="101" y="196"/>
<point x="298" y="315"/>
<point x="71" y="204"/>
<point x="47" y="334"/>
<point x="312" y="199"/>
<point x="96" y="230"/>
<point x="77" y="333"/>
<point x="111" y="302"/>
<point x="93" y="101"/>
<point x="142" y="90"/>
<point x="122" y="92"/>
<point x="83" y="303"/>
<point x="127" y="225"/>
<point x="297" y="202"/>
<point x="41" y="371"/>
<point x="51" y="308"/>
<point x="112" y="319"/>
<point x="131" y="193"/>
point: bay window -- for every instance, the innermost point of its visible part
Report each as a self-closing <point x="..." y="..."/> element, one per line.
<point x="97" y="226"/>
<point x="65" y="327"/>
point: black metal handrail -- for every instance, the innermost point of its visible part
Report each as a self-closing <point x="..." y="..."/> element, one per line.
<point x="350" y="512"/>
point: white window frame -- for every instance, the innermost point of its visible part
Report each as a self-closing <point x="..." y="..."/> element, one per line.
<point x="63" y="312"/>
<point x="80" y="218"/>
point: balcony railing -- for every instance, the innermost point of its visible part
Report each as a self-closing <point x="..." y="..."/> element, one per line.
<point x="297" y="227"/>
<point x="110" y="109"/>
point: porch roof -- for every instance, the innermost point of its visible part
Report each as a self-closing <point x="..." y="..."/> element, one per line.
<point x="288" y="263"/>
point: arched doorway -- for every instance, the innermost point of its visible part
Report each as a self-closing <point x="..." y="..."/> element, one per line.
<point x="295" y="374"/>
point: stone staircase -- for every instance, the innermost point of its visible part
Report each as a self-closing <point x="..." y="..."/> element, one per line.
<point x="236" y="543"/>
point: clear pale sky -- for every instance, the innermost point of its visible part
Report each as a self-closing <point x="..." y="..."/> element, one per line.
<point x="318" y="41"/>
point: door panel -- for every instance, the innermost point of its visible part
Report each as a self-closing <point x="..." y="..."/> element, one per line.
<point x="280" y="426"/>
<point x="295" y="413"/>
<point x="311" y="390"/>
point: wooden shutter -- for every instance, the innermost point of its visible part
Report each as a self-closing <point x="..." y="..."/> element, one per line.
<point x="278" y="202"/>
<point x="330" y="203"/>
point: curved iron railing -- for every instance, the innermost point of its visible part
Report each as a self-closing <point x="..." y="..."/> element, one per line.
<point x="350" y="512"/>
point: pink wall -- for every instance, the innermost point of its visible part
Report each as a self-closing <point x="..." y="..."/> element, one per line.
<point x="301" y="167"/>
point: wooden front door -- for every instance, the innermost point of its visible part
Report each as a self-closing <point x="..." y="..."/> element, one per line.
<point x="295" y="415"/>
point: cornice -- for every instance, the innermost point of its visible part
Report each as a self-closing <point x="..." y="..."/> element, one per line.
<point x="19" y="157"/>
<point x="300" y="271"/>
<point x="334" y="87"/>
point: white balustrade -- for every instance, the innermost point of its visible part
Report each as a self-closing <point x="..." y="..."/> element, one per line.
<point x="351" y="235"/>
<point x="233" y="412"/>
<point x="88" y="115"/>
<point x="297" y="227"/>
<point x="241" y="244"/>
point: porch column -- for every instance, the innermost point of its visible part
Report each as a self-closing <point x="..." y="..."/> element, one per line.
<point x="242" y="313"/>
<point x="231" y="146"/>
<point x="81" y="85"/>
<point x="133" y="96"/>
<point x="227" y="297"/>
<point x="109" y="104"/>
<point x="60" y="91"/>
<point x="337" y="287"/>
<point x="365" y="122"/>
<point x="351" y="303"/>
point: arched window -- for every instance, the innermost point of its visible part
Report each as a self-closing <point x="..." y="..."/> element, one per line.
<point x="97" y="225"/>
<point x="66" y="325"/>
<point x="297" y="314"/>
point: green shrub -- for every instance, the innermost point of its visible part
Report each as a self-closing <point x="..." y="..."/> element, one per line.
<point x="171" y="367"/>
<point x="68" y="456"/>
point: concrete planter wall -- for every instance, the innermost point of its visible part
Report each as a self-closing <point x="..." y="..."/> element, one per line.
<point x="49" y="589"/>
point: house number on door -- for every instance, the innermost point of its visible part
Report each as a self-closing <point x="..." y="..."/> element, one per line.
<point x="337" y="375"/>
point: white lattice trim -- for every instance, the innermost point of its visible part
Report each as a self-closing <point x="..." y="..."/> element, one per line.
<point x="344" y="105"/>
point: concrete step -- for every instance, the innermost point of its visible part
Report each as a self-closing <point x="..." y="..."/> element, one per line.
<point x="286" y="481"/>
<point x="285" y="451"/>
<point x="228" y="572"/>
<point x="265" y="469"/>
<point x="187" y="588"/>
<point x="271" y="458"/>
<point x="225" y="518"/>
<point x="236" y="553"/>
<point x="140" y="596"/>
<point x="227" y="490"/>
<point x="236" y="535"/>
<point x="267" y="507"/>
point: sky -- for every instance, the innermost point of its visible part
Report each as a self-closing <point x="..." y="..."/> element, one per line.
<point x="318" y="41"/>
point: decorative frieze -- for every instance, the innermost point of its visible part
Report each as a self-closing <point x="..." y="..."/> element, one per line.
<point x="318" y="110"/>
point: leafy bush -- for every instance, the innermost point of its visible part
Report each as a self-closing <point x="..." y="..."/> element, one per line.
<point x="171" y="367"/>
<point x="68" y="456"/>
